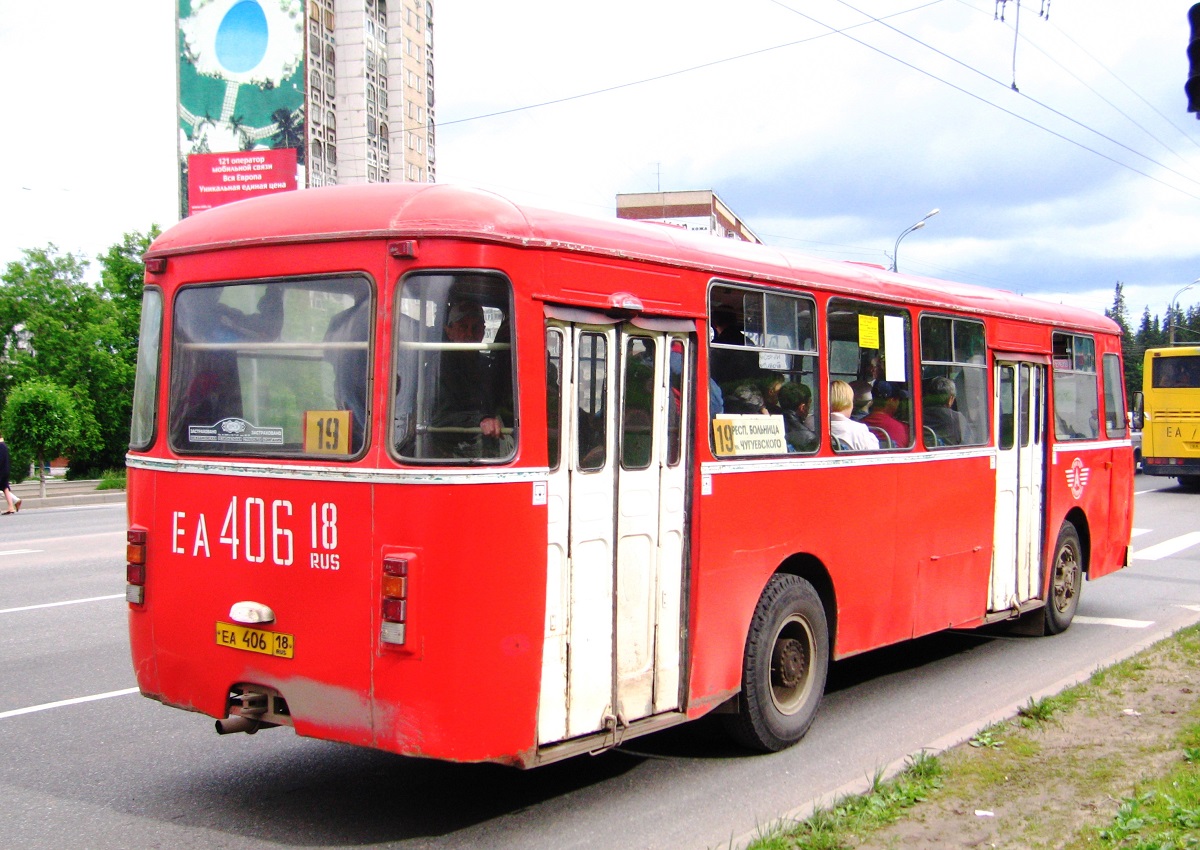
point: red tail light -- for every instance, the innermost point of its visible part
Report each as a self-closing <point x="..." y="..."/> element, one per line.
<point x="135" y="566"/>
<point x="394" y="588"/>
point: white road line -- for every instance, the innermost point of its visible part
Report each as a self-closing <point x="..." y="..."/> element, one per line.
<point x="57" y="604"/>
<point x="1168" y="547"/>
<point x="64" y="702"/>
<point x="1113" y="621"/>
<point x="1138" y="532"/>
<point x="19" y="552"/>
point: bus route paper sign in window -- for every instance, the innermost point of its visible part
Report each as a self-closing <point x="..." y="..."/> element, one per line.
<point x="327" y="432"/>
<point x="741" y="434"/>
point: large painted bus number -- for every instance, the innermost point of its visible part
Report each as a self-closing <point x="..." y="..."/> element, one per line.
<point x="249" y="526"/>
<point x="323" y="527"/>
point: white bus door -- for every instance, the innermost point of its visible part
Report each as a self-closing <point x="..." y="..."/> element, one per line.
<point x="615" y="501"/>
<point x="1020" y="470"/>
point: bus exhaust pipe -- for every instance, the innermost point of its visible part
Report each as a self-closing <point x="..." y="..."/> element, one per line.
<point x="237" y="723"/>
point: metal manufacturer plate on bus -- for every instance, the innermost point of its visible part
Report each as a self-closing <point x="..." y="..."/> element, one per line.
<point x="261" y="641"/>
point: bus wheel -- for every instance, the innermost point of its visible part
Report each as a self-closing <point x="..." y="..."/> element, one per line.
<point x="784" y="668"/>
<point x="1066" y="580"/>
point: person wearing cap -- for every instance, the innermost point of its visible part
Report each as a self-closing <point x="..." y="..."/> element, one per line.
<point x="885" y="401"/>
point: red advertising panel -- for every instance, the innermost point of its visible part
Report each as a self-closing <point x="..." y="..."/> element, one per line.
<point x="219" y="178"/>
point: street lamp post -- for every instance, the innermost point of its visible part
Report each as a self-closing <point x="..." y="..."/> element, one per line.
<point x="1171" y="308"/>
<point x="917" y="226"/>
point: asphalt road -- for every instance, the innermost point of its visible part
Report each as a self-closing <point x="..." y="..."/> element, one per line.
<point x="88" y="763"/>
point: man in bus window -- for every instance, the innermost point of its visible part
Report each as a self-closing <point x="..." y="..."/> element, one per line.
<point x="727" y="366"/>
<point x="940" y="414"/>
<point x="885" y="401"/>
<point x="471" y="383"/>
<point x="796" y="398"/>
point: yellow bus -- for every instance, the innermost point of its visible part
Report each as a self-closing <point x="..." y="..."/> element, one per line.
<point x="1169" y="410"/>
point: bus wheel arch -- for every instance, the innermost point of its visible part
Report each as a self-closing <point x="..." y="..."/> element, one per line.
<point x="1067" y="566"/>
<point x="784" y="665"/>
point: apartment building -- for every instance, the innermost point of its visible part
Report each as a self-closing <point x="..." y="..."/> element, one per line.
<point x="283" y="94"/>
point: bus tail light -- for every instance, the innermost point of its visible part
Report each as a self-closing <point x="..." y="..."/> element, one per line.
<point x="395" y="599"/>
<point x="135" y="566"/>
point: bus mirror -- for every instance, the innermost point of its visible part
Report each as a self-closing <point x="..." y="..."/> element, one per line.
<point x="1138" y="414"/>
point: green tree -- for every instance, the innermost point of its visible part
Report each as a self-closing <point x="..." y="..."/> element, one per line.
<point x="55" y="325"/>
<point x="1119" y="313"/>
<point x="41" y="423"/>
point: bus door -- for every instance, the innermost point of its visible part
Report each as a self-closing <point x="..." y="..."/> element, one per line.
<point x="1020" y="472"/>
<point x="616" y="404"/>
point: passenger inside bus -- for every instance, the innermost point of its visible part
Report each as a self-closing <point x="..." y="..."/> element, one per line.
<point x="350" y="330"/>
<point x="467" y="421"/>
<point x="940" y="414"/>
<point x="848" y="434"/>
<point x="885" y="402"/>
<point x="799" y="429"/>
<point x="213" y="391"/>
<point x="728" y="366"/>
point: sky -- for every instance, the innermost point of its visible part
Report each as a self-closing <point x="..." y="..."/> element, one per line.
<point x="1056" y="146"/>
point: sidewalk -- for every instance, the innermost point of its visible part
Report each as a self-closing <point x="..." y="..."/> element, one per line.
<point x="63" y="493"/>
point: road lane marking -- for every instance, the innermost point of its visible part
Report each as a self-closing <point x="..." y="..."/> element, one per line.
<point x="1119" y="622"/>
<point x="1168" y="547"/>
<point x="57" y="604"/>
<point x="1137" y="532"/>
<point x="65" y="702"/>
<point x="19" y="551"/>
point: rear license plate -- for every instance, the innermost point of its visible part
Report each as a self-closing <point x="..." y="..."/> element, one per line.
<point x="256" y="640"/>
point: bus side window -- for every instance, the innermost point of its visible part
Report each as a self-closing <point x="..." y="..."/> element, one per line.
<point x="1076" y="396"/>
<point x="762" y="362"/>
<point x="870" y="351"/>
<point x="1114" y="397"/>
<point x="454" y="368"/>
<point x="954" y="382"/>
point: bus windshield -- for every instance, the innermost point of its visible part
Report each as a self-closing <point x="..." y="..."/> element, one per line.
<point x="277" y="368"/>
<point x="1176" y="372"/>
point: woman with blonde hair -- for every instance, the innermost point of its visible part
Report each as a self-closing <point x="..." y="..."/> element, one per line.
<point x="848" y="435"/>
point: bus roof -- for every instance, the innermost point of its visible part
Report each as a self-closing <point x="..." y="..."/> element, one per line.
<point x="415" y="210"/>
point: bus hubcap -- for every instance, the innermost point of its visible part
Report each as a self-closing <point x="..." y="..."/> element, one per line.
<point x="790" y="663"/>
<point x="1065" y="573"/>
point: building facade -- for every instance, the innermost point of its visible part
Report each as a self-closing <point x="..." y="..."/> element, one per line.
<point x="700" y="211"/>
<point x="283" y="94"/>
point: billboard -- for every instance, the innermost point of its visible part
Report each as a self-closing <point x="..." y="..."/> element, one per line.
<point x="241" y="90"/>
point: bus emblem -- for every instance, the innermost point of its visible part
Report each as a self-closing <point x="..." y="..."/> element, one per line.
<point x="1077" y="477"/>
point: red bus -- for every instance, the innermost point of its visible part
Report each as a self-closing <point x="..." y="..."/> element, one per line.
<point x="416" y="468"/>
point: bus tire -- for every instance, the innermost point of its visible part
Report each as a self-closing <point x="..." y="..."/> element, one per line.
<point x="784" y="667"/>
<point x="1066" y="580"/>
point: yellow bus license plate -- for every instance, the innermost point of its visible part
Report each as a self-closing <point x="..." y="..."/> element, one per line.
<point x="256" y="640"/>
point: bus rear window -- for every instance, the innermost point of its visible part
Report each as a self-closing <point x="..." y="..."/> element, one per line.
<point x="271" y="368"/>
<point x="1175" y="372"/>
<point x="454" y="369"/>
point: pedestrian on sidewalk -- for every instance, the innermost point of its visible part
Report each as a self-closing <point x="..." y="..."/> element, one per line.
<point x="14" y="502"/>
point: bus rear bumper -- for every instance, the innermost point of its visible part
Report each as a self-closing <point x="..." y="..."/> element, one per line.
<point x="1170" y="466"/>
